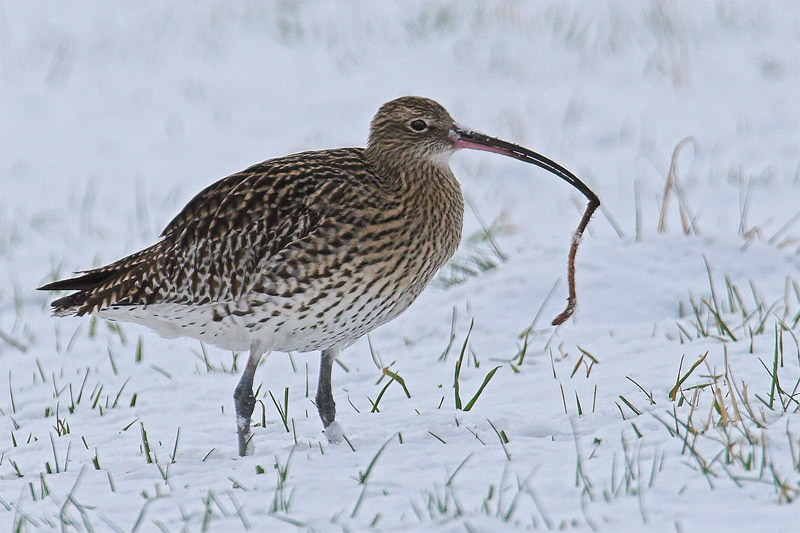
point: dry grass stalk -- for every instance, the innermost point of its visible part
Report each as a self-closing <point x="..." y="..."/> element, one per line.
<point x="672" y="184"/>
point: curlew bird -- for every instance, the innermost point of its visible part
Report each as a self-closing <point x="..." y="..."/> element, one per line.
<point x="305" y="252"/>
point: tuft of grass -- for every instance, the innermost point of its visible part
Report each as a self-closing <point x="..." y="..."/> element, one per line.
<point x="139" y="353"/>
<point x="632" y="407"/>
<point x="11" y="394"/>
<point x="145" y="444"/>
<point x="96" y="460"/>
<point x="446" y="351"/>
<point x="441" y="502"/>
<point x="501" y="435"/>
<point x="456" y="384"/>
<point x="364" y="476"/>
<point x="174" y="453"/>
<point x="437" y="437"/>
<point x="725" y="435"/>
<point x="648" y="394"/>
<point x="479" y="255"/>
<point x="635" y="477"/>
<point x="396" y="377"/>
<point x="457" y="375"/>
<point x="470" y="263"/>
<point x="673" y="393"/>
<point x="486" y="380"/>
<point x="735" y="317"/>
<point x="587" y="360"/>
<point x="62" y="425"/>
<point x="393" y="377"/>
<point x="282" y="499"/>
<point x="493" y="503"/>
<point x="283" y="410"/>
<point x="789" y="400"/>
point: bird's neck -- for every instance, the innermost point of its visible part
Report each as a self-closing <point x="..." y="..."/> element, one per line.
<point x="410" y="174"/>
<point x="430" y="204"/>
<point x="429" y="193"/>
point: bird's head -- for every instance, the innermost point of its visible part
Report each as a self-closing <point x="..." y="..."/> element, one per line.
<point x="414" y="129"/>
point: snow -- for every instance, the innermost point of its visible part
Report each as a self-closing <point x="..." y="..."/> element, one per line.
<point x="112" y="115"/>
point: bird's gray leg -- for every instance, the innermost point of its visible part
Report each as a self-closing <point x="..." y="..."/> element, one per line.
<point x="325" y="404"/>
<point x="245" y="402"/>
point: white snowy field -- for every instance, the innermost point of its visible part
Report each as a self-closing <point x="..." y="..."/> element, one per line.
<point x="670" y="402"/>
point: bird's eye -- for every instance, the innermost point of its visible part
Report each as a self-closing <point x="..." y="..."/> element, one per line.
<point x="418" y="125"/>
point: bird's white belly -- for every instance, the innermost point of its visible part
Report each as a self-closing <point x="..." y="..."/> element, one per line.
<point x="291" y="325"/>
<point x="178" y="320"/>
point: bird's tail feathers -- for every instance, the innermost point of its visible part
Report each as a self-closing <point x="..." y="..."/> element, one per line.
<point x="85" y="283"/>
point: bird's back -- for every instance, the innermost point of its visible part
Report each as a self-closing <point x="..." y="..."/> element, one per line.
<point x="298" y="253"/>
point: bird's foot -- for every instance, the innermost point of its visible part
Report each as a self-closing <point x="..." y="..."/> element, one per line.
<point x="244" y="435"/>
<point x="334" y="433"/>
<point x="245" y="402"/>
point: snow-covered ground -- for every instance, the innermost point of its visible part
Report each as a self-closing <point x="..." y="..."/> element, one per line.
<point x="112" y="115"/>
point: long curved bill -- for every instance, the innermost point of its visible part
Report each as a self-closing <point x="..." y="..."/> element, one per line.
<point x="478" y="141"/>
